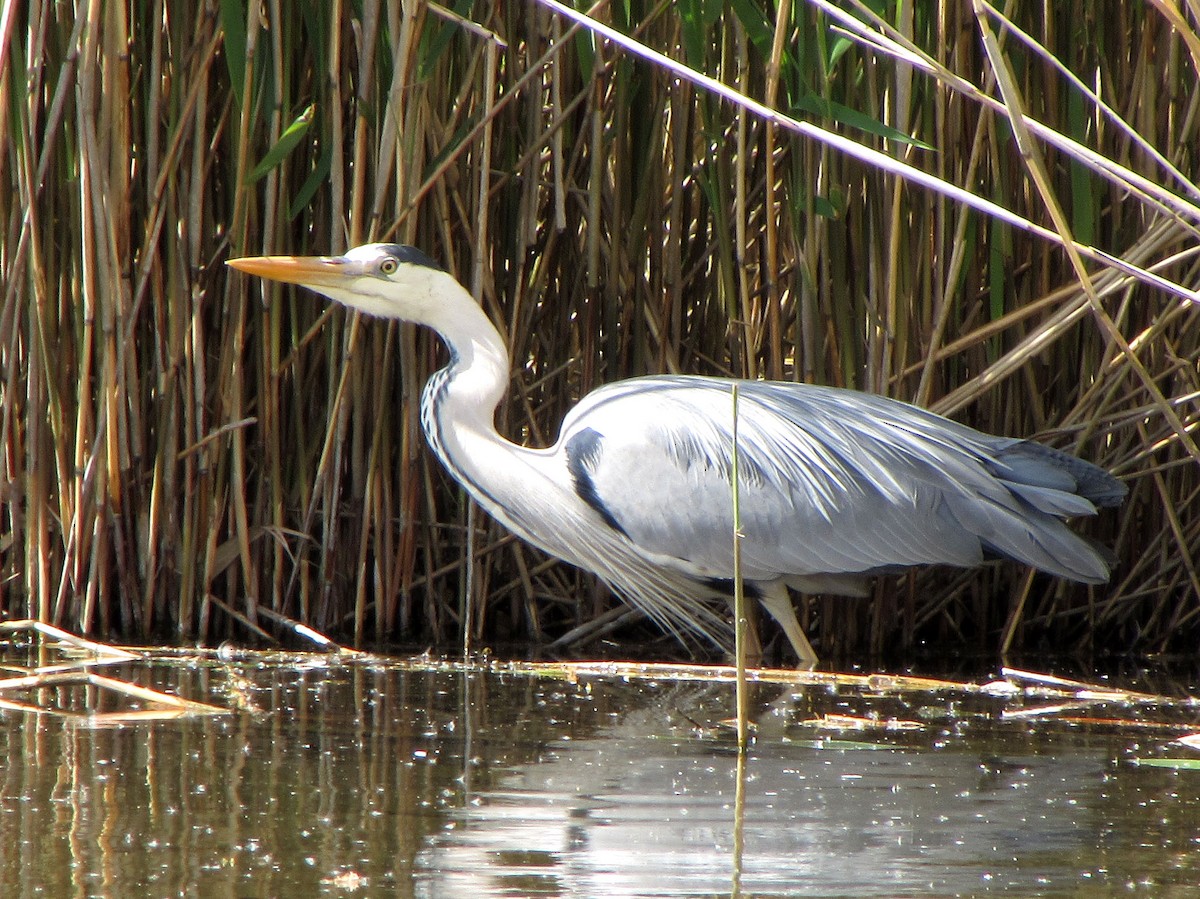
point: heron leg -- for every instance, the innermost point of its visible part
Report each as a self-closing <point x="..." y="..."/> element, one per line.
<point x="778" y="602"/>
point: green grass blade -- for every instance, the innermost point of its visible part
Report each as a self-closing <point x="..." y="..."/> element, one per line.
<point x="288" y="141"/>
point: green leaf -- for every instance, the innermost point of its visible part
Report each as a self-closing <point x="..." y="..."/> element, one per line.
<point x="233" y="25"/>
<point x="1174" y="763"/>
<point x="819" y="106"/>
<point x="843" y="745"/>
<point x="841" y="44"/>
<point x="823" y="207"/>
<point x="585" y="51"/>
<point x="287" y="142"/>
<point x="435" y="40"/>
<point x="696" y="17"/>
<point x="314" y="180"/>
<point x="1083" y="193"/>
<point x="999" y="252"/>
<point x="759" y="28"/>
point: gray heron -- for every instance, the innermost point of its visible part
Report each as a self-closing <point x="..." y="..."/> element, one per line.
<point x="835" y="485"/>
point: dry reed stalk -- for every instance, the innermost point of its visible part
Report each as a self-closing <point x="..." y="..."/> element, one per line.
<point x="158" y="419"/>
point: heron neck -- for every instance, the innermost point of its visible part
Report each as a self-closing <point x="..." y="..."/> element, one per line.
<point x="512" y="483"/>
<point x="475" y="379"/>
<point x="459" y="402"/>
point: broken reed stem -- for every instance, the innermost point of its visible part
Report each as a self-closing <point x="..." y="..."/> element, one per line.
<point x="109" y="654"/>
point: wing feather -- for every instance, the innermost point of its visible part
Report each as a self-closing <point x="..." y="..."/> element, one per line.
<point x="832" y="482"/>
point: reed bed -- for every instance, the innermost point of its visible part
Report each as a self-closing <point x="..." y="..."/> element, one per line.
<point x="1004" y="227"/>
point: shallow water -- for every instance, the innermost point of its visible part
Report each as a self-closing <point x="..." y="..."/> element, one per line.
<point x="368" y="778"/>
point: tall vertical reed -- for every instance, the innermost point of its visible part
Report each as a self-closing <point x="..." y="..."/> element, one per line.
<point x="188" y="455"/>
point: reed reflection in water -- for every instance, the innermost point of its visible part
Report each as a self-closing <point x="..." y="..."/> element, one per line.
<point x="376" y="780"/>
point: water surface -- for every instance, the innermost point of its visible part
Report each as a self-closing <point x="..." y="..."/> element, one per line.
<point x="368" y="778"/>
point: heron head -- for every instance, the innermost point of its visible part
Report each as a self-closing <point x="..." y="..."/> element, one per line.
<point x="383" y="279"/>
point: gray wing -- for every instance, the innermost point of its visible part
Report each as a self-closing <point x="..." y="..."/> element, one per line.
<point x="830" y="482"/>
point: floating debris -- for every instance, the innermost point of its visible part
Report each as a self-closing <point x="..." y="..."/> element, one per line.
<point x="82" y="655"/>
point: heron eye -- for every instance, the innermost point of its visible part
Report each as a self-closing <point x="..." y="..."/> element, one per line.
<point x="389" y="265"/>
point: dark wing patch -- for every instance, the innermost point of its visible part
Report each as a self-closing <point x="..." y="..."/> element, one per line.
<point x="583" y="454"/>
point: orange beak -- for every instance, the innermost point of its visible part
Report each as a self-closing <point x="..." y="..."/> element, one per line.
<point x="309" y="271"/>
